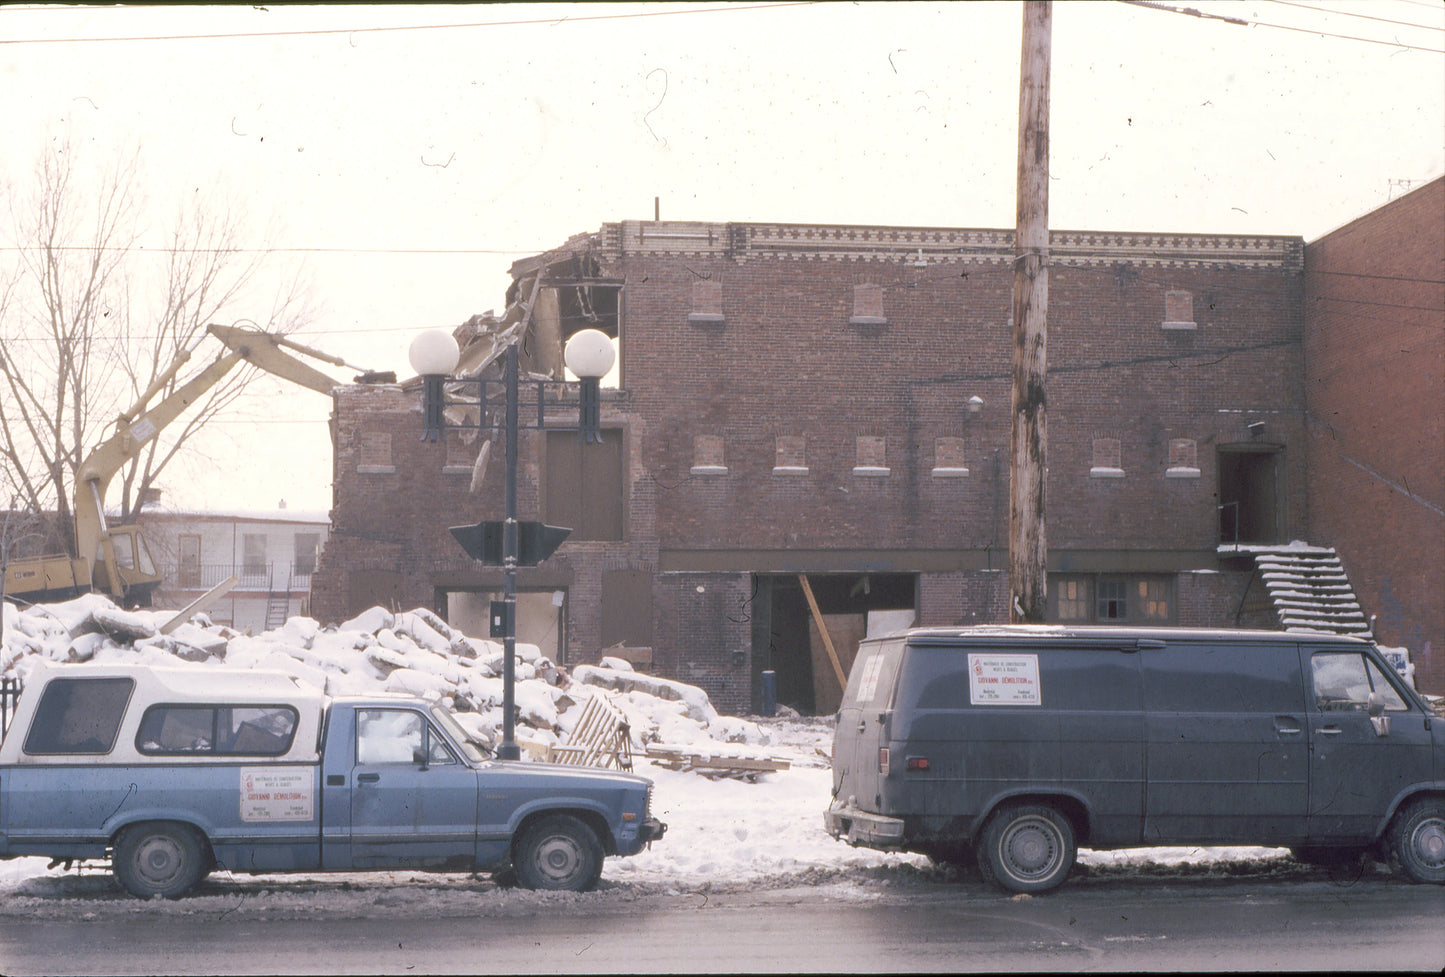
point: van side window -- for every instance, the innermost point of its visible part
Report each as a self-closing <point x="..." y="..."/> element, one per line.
<point x="78" y="716"/>
<point x="870" y="682"/>
<point x="182" y="730"/>
<point x="1343" y="682"/>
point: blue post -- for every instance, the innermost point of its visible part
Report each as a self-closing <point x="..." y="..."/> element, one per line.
<point x="770" y="693"/>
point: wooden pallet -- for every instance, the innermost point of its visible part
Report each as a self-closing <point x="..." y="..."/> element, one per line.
<point x="602" y="737"/>
<point x="709" y="765"/>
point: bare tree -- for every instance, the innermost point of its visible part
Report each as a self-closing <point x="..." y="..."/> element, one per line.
<point x="90" y="319"/>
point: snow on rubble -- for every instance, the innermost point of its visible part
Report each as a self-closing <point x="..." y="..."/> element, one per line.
<point x="722" y="831"/>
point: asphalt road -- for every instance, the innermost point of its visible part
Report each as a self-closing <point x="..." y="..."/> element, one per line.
<point x="835" y="927"/>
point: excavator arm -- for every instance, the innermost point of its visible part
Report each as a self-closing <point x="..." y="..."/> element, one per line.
<point x="95" y="542"/>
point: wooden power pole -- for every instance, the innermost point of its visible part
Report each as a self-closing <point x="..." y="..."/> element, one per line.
<point x="1028" y="549"/>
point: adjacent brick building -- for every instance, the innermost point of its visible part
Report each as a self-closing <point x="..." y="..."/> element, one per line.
<point x="829" y="404"/>
<point x="1375" y="397"/>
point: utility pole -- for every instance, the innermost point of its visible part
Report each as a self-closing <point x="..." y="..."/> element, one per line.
<point x="1028" y="548"/>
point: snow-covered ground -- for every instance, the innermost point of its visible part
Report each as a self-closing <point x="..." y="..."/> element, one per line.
<point x="722" y="832"/>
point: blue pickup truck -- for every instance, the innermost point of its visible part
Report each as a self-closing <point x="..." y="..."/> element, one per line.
<point x="175" y="772"/>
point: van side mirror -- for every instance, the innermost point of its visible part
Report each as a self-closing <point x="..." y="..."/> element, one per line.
<point x="1375" y="706"/>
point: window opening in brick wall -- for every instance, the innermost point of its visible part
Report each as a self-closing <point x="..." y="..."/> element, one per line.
<point x="1183" y="458"/>
<point x="871" y="456"/>
<point x="867" y="306"/>
<point x="460" y="455"/>
<point x="1178" y="310"/>
<point x="948" y="460"/>
<point x="789" y="456"/>
<point x="374" y="453"/>
<point x="1108" y="459"/>
<point x="707" y="307"/>
<point x="584" y="488"/>
<point x="1111" y="598"/>
<point x="593" y="305"/>
<point x="707" y="455"/>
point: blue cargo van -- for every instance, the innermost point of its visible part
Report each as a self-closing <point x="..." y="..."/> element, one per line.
<point x="1014" y="745"/>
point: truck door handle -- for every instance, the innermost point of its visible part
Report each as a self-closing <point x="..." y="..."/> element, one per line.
<point x="367" y="778"/>
<point x="1330" y="731"/>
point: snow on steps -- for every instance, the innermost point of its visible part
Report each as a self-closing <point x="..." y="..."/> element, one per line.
<point x="1308" y="587"/>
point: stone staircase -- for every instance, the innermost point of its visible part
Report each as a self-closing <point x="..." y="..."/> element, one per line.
<point x="1309" y="588"/>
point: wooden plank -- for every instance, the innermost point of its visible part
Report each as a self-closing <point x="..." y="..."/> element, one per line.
<point x="823" y="629"/>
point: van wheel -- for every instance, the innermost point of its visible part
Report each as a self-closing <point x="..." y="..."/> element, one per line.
<point x="1027" y="848"/>
<point x="558" y="852"/>
<point x="160" y="858"/>
<point x="1417" y="836"/>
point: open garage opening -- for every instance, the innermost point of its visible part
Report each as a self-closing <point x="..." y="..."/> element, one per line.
<point x="794" y="633"/>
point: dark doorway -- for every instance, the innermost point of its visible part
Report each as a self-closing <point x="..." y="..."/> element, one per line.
<point x="1249" y="494"/>
<point x="788" y="639"/>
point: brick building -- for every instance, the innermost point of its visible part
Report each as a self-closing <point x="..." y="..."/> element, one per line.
<point x="1375" y="359"/>
<point x="809" y="409"/>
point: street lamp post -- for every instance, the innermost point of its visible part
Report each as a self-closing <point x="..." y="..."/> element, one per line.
<point x="434" y="355"/>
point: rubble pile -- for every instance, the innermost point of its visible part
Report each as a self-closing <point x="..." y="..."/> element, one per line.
<point x="415" y="652"/>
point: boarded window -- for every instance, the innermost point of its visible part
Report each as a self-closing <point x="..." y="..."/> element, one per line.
<point x="1183" y="458"/>
<point x="584" y="487"/>
<point x="1108" y="458"/>
<point x="707" y="455"/>
<point x="871" y="455"/>
<point x="948" y="460"/>
<point x="374" y="452"/>
<point x="789" y="454"/>
<point x="706" y="302"/>
<point x="1178" y="309"/>
<point x="78" y="716"/>
<point x="867" y="305"/>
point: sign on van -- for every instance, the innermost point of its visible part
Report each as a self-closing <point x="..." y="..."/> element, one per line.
<point x="1003" y="680"/>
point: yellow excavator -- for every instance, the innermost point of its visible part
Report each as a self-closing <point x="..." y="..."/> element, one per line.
<point x="115" y="559"/>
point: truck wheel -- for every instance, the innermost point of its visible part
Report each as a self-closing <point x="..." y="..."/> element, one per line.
<point x="558" y="852"/>
<point x="160" y="858"/>
<point x="1417" y="836"/>
<point x="1027" y="848"/>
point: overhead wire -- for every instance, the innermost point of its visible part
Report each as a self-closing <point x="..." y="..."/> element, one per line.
<point x="570" y="18"/>
<point x="1241" y="22"/>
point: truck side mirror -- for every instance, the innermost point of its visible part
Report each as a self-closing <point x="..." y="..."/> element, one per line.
<point x="1375" y="706"/>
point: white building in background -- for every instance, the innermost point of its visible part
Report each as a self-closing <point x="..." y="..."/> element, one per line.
<point x="271" y="554"/>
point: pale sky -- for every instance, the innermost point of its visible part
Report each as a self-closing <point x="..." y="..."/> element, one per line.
<point x="407" y="168"/>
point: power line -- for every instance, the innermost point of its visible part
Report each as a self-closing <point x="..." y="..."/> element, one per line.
<point x="1191" y="12"/>
<point x="403" y="27"/>
<point x="1347" y="13"/>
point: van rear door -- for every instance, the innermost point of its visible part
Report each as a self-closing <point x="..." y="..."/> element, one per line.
<point x="862" y="722"/>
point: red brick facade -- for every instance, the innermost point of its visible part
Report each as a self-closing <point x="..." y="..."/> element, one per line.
<point x="1375" y="357"/>
<point x="808" y="412"/>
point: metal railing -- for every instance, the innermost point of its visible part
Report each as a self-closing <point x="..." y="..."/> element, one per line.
<point x="265" y="579"/>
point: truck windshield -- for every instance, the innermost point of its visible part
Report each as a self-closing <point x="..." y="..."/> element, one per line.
<point x="459" y="736"/>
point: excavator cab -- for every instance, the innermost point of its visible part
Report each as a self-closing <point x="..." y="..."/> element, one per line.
<point x="124" y="567"/>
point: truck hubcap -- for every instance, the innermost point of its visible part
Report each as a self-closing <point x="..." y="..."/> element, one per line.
<point x="558" y="858"/>
<point x="1430" y="842"/>
<point x="159" y="860"/>
<point x="1030" y="848"/>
